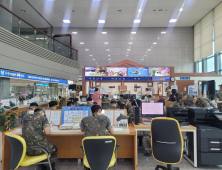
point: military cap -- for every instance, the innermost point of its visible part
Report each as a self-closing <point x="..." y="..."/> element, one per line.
<point x="38" y="109"/>
<point x="168" y="88"/>
<point x="113" y="101"/>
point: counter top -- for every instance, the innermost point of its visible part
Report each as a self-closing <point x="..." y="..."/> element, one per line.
<point x="23" y="106"/>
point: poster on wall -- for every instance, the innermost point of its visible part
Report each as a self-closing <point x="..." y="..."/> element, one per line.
<point x="193" y="90"/>
<point x="116" y="71"/>
<point x="95" y="71"/>
<point x="92" y="90"/>
<point x="137" y="71"/>
<point x="174" y="87"/>
<point x="159" y="71"/>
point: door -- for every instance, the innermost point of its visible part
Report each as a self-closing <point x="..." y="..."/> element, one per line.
<point x="183" y="85"/>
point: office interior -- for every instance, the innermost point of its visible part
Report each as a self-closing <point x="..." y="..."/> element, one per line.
<point x="61" y="40"/>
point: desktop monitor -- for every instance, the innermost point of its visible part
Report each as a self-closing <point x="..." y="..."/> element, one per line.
<point x="105" y="105"/>
<point x="126" y="96"/>
<point x="152" y="109"/>
<point x="83" y="98"/>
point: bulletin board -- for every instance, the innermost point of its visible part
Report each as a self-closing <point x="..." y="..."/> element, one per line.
<point x="113" y="114"/>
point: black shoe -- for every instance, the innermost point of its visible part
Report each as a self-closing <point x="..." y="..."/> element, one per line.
<point x="53" y="166"/>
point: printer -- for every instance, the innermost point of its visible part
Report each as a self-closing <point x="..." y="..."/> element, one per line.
<point x="178" y="113"/>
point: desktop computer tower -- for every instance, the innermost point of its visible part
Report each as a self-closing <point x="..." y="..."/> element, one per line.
<point x="137" y="115"/>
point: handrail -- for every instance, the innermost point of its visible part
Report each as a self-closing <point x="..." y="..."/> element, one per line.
<point x="34" y="27"/>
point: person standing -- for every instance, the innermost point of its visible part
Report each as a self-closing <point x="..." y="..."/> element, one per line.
<point x="168" y="90"/>
<point x="218" y="99"/>
<point x="96" y="97"/>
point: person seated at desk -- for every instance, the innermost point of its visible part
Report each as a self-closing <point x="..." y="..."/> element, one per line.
<point x="179" y="102"/>
<point x="70" y="104"/>
<point x="96" y="124"/>
<point x="202" y="102"/>
<point x="113" y="104"/>
<point x="188" y="99"/>
<point x="106" y="99"/>
<point x="53" y="105"/>
<point x="33" y="124"/>
<point x="89" y="102"/>
<point x="121" y="99"/>
<point x="32" y="106"/>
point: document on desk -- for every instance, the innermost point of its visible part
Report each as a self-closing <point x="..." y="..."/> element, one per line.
<point x="185" y="126"/>
<point x="47" y="114"/>
<point x="117" y="114"/>
<point x="54" y="128"/>
<point x="109" y="114"/>
<point x="55" y="118"/>
<point x="118" y="129"/>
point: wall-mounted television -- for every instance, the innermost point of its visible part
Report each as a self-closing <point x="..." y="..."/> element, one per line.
<point x="137" y="71"/>
<point x="159" y="71"/>
<point x="116" y="71"/>
<point x="95" y="71"/>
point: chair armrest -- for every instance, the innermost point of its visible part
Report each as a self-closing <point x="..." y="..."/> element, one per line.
<point x="117" y="145"/>
<point x="149" y="136"/>
<point x="39" y="147"/>
<point x="81" y="147"/>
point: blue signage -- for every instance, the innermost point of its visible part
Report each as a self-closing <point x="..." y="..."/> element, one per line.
<point x="161" y="78"/>
<point x="59" y="81"/>
<point x="32" y="77"/>
<point x="118" y="78"/>
<point x="92" y="90"/>
<point x="43" y="85"/>
<point x="13" y="74"/>
<point x="184" y="78"/>
<point x="65" y="87"/>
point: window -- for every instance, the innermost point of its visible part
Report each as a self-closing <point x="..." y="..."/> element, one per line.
<point x="210" y="64"/>
<point x="199" y="66"/>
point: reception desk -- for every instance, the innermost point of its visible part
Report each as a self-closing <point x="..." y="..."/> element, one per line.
<point x="68" y="144"/>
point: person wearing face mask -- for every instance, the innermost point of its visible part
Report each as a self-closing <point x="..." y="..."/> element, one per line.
<point x="32" y="131"/>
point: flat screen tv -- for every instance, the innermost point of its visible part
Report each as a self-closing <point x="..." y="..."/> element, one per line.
<point x="95" y="71"/>
<point x="137" y="71"/>
<point x="159" y="71"/>
<point x="116" y="71"/>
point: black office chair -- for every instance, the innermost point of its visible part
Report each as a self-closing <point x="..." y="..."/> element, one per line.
<point x="99" y="152"/>
<point x="166" y="142"/>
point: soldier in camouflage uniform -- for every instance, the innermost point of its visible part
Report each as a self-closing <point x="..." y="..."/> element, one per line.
<point x="168" y="90"/>
<point x="202" y="102"/>
<point x="218" y="99"/>
<point x="121" y="99"/>
<point x="188" y="99"/>
<point x="96" y="124"/>
<point x="89" y="102"/>
<point x="33" y="124"/>
<point x="180" y="102"/>
<point x="106" y="99"/>
<point x="32" y="106"/>
<point x="113" y="104"/>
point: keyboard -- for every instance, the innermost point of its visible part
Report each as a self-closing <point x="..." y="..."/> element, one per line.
<point x="146" y="123"/>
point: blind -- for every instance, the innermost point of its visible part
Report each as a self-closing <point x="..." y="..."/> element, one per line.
<point x="207" y="35"/>
<point x="218" y="28"/>
<point x="197" y="54"/>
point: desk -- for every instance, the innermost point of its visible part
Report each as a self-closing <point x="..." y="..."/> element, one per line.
<point x="68" y="144"/>
<point x="142" y="127"/>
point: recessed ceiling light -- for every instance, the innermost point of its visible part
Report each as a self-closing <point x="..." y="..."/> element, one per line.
<point x="50" y="0"/>
<point x="106" y="43"/>
<point x="102" y="21"/>
<point x="90" y="55"/>
<point x="94" y="59"/>
<point x="107" y="50"/>
<point x="130" y="43"/>
<point x="136" y="21"/>
<point x="173" y="20"/>
<point x="145" y="55"/>
<point x="104" y="32"/>
<point x="81" y="42"/>
<point x="181" y="9"/>
<point x="133" y="32"/>
<point x="158" y="38"/>
<point x="148" y="49"/>
<point x="163" y="32"/>
<point x="142" y="59"/>
<point x="139" y="10"/>
<point x="22" y="10"/>
<point x="109" y="59"/>
<point x="154" y="43"/>
<point x="75" y="32"/>
<point x="151" y="47"/>
<point x="128" y="49"/>
<point x="109" y="55"/>
<point x="86" y="49"/>
<point x="66" y="21"/>
<point x="131" y="38"/>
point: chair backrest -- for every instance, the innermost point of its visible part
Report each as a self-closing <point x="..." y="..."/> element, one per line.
<point x="18" y="152"/>
<point x="105" y="105"/>
<point x="99" y="151"/>
<point x="122" y="106"/>
<point x="166" y="140"/>
<point x="169" y="103"/>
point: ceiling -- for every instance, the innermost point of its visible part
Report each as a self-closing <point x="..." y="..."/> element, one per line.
<point x="86" y="13"/>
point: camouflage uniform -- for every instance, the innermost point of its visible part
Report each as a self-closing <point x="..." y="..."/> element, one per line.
<point x="24" y="112"/>
<point x="189" y="100"/>
<point x="218" y="96"/>
<point x="32" y="133"/>
<point x="106" y="99"/>
<point x="122" y="100"/>
<point x="203" y="102"/>
<point x="95" y="125"/>
<point x="179" y="103"/>
<point x="89" y="104"/>
<point x="169" y="94"/>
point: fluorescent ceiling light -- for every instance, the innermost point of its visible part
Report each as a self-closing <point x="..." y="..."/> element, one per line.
<point x="128" y="49"/>
<point x="154" y="43"/>
<point x="90" y="55"/>
<point x="130" y="43"/>
<point x="74" y="32"/>
<point x="94" y="59"/>
<point x="66" y="21"/>
<point x="173" y="20"/>
<point x="81" y="42"/>
<point x="104" y="32"/>
<point x="109" y="59"/>
<point x="86" y="49"/>
<point x="107" y="50"/>
<point x="133" y="32"/>
<point x="148" y="49"/>
<point x="181" y="9"/>
<point x="139" y="10"/>
<point x="106" y="43"/>
<point x="163" y="32"/>
<point x="102" y="21"/>
<point x="109" y="55"/>
<point x="136" y="21"/>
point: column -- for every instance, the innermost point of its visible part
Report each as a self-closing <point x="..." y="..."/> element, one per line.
<point x="4" y="88"/>
<point x="5" y="16"/>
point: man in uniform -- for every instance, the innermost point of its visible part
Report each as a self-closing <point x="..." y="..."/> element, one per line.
<point x="168" y="90"/>
<point x="180" y="102"/>
<point x="188" y="99"/>
<point x="121" y="99"/>
<point x="89" y="102"/>
<point x="113" y="104"/>
<point x="218" y="99"/>
<point x="53" y="105"/>
<point x="33" y="124"/>
<point x="32" y="106"/>
<point x="106" y="99"/>
<point x="202" y="102"/>
<point x="96" y="124"/>
<point x="70" y="104"/>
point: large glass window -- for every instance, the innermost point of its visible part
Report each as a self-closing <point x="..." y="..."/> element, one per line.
<point x="199" y="66"/>
<point x="210" y="64"/>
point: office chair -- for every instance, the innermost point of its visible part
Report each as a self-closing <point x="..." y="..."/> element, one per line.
<point x="99" y="152"/>
<point x="18" y="153"/>
<point x="166" y="142"/>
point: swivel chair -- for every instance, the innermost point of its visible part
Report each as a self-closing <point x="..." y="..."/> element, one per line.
<point x="18" y="153"/>
<point x="166" y="142"/>
<point x="99" y="152"/>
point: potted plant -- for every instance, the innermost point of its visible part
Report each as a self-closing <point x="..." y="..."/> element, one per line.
<point x="8" y="117"/>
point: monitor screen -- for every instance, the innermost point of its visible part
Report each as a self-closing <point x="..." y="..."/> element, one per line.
<point x="105" y="105"/>
<point x="95" y="71"/>
<point x="152" y="109"/>
<point x="83" y="98"/>
<point x="126" y="96"/>
<point x="159" y="71"/>
<point x="116" y="71"/>
<point x="137" y="71"/>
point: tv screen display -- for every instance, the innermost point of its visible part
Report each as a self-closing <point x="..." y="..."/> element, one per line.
<point x="159" y="71"/>
<point x="152" y="108"/>
<point x="137" y="71"/>
<point x="95" y="71"/>
<point x="116" y="71"/>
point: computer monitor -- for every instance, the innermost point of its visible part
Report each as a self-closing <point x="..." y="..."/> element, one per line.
<point x="152" y="109"/>
<point x="83" y="98"/>
<point x="126" y="96"/>
<point x="105" y="105"/>
<point x="133" y="96"/>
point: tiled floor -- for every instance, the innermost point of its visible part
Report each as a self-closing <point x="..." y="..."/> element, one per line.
<point x="144" y="163"/>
